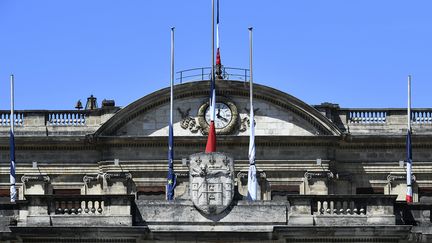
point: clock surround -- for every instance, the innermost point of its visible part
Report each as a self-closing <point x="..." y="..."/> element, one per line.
<point x="224" y="124"/>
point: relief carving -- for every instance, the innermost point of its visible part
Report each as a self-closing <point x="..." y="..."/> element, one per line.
<point x="244" y="123"/>
<point x="211" y="178"/>
<point x="189" y="122"/>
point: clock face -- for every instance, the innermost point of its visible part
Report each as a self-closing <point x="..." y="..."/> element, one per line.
<point x="223" y="115"/>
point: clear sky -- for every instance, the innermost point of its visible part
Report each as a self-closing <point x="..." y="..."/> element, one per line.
<point x="356" y="53"/>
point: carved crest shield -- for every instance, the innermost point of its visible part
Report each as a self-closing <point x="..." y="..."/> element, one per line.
<point x="211" y="179"/>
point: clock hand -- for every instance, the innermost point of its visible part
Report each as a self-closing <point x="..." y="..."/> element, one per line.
<point x="223" y="118"/>
<point x="218" y="113"/>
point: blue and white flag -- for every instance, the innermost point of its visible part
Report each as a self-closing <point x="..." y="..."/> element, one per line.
<point x="409" y="195"/>
<point x="171" y="179"/>
<point x="13" y="195"/>
<point x="252" y="180"/>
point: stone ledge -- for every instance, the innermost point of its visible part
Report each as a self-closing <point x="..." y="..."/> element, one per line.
<point x="156" y="213"/>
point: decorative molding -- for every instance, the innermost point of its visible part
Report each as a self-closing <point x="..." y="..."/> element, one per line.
<point x="310" y="175"/>
<point x="243" y="176"/>
<point x="248" y="111"/>
<point x="91" y="178"/>
<point x="125" y="176"/>
<point x="343" y="176"/>
<point x="244" y="122"/>
<point x="35" y="178"/>
<point x="182" y="174"/>
<point x="399" y="177"/>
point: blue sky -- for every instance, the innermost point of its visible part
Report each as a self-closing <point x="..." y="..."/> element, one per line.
<point x="354" y="53"/>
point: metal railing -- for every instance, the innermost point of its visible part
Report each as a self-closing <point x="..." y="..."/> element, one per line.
<point x="204" y="73"/>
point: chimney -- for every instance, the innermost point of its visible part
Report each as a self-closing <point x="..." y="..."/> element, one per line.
<point x="91" y="103"/>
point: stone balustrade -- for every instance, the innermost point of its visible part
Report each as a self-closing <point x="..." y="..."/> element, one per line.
<point x="385" y="116"/>
<point x="362" y="117"/>
<point x="76" y="210"/>
<point x="72" y="205"/>
<point x="422" y="116"/>
<point x="341" y="209"/>
<point x="55" y="122"/>
<point x="67" y="118"/>
<point x="339" y="206"/>
<point x="381" y="121"/>
<point x="5" y="119"/>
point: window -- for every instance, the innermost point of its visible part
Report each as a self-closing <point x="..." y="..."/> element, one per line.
<point x="425" y="194"/>
<point x="281" y="192"/>
<point x="370" y="190"/>
<point x="150" y="192"/>
<point x="66" y="191"/>
<point x="5" y="194"/>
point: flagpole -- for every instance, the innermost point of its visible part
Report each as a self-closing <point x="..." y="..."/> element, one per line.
<point x="172" y="76"/>
<point x="409" y="195"/>
<point x="250" y="64"/>
<point x="252" y="180"/>
<point x="211" y="139"/>
<point x="171" y="180"/>
<point x="409" y="103"/>
<point x="213" y="100"/>
<point x="12" y="144"/>
<point x="213" y="61"/>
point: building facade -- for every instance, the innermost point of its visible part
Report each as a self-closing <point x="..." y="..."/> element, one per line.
<point x="325" y="173"/>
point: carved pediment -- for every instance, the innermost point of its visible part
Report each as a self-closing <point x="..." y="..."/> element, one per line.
<point x="277" y="113"/>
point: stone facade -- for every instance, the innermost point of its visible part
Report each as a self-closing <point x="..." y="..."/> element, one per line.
<point x="324" y="172"/>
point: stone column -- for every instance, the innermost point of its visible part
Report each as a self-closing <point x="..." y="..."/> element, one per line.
<point x="316" y="182"/>
<point x="117" y="182"/>
<point x="35" y="184"/>
<point x="242" y="179"/>
<point x="397" y="185"/>
<point x="93" y="184"/>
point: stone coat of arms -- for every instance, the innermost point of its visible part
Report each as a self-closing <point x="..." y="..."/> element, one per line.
<point x="211" y="178"/>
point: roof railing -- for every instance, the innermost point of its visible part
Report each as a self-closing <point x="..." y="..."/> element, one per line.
<point x="204" y="73"/>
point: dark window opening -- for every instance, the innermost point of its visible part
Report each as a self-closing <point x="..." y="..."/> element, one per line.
<point x="151" y="192"/>
<point x="66" y="191"/>
<point x="370" y="190"/>
<point x="5" y="195"/>
<point x="281" y="193"/>
<point x="425" y="194"/>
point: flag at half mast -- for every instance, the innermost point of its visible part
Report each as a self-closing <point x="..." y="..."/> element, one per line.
<point x="13" y="193"/>
<point x="409" y="194"/>
<point x="218" y="56"/>
<point x="252" y="180"/>
<point x="171" y="178"/>
<point x="211" y="139"/>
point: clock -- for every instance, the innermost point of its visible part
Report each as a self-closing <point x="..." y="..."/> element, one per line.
<point x="226" y="116"/>
<point x="223" y="115"/>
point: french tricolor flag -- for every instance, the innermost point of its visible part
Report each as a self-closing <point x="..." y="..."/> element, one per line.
<point x="409" y="195"/>
<point x="211" y="140"/>
<point x="218" y="58"/>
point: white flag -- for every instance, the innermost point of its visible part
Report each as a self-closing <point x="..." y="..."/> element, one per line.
<point x="252" y="179"/>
